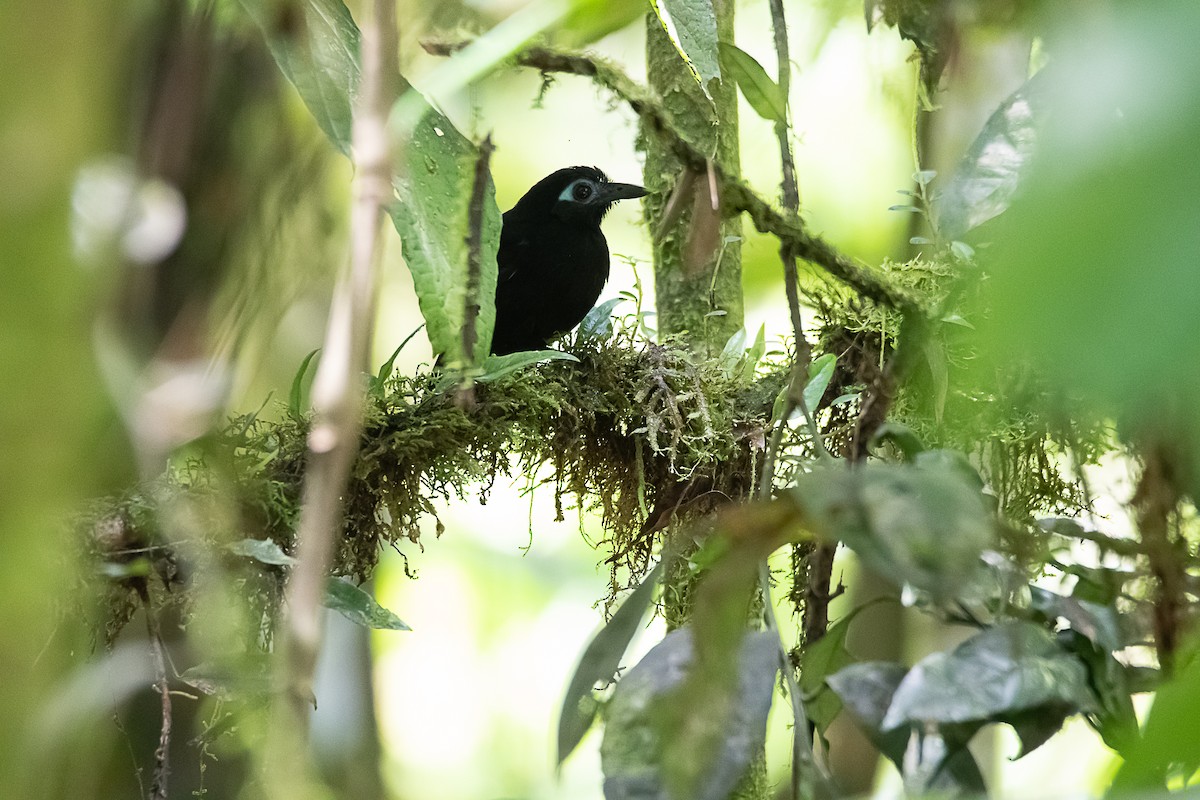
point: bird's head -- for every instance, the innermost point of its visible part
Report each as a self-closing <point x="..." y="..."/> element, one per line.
<point x="576" y="194"/>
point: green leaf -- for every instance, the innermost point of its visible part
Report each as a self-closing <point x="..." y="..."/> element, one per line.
<point x="692" y="27"/>
<point x="1168" y="742"/>
<point x="379" y="381"/>
<point x="920" y="524"/>
<point x="598" y="322"/>
<point x="867" y="689"/>
<point x="434" y="189"/>
<point x="265" y="551"/>
<point x="901" y="436"/>
<point x="820" y="373"/>
<point x="1093" y="273"/>
<point x="318" y="53"/>
<point x="820" y="660"/>
<point x="599" y="663"/>
<point x="646" y="751"/>
<point x="731" y="353"/>
<point x="762" y="93"/>
<point x="295" y="396"/>
<point x="359" y="607"/>
<point x="754" y="355"/>
<point x="987" y="178"/>
<point x="993" y="676"/>
<point x="495" y="367"/>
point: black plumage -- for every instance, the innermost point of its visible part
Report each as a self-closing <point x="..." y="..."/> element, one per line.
<point x="553" y="259"/>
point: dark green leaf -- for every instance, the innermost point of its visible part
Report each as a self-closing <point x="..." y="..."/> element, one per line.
<point x="1115" y="718"/>
<point x="901" y="436"/>
<point x="498" y="366"/>
<point x="639" y="756"/>
<point x="1099" y="623"/>
<point x="922" y="525"/>
<point x="995" y="675"/>
<point x="359" y="607"/>
<point x="599" y="663"/>
<point x="867" y="689"/>
<point x="296" y="395"/>
<point x="762" y="93"/>
<point x="264" y="551"/>
<point x="693" y="29"/>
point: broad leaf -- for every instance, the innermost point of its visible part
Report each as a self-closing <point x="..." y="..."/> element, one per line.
<point x="641" y="759"/>
<point x="598" y="323"/>
<point x="359" y="607"/>
<point x="999" y="675"/>
<point x="866" y="690"/>
<point x="986" y="179"/>
<point x="599" y="664"/>
<point x="919" y="525"/>
<point x="762" y="93"/>
<point x="434" y="188"/>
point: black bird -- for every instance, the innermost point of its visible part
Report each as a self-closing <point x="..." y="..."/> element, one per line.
<point x="553" y="260"/>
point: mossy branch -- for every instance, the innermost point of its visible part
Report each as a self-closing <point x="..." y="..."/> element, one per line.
<point x="736" y="196"/>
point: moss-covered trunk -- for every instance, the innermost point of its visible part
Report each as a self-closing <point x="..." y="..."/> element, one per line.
<point x="698" y="258"/>
<point x="697" y="253"/>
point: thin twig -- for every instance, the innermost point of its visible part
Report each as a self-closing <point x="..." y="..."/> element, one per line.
<point x="337" y="389"/>
<point x="736" y="195"/>
<point x="466" y="392"/>
<point x="162" y="753"/>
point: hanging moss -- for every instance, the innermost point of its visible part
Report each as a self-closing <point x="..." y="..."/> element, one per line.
<point x="633" y="431"/>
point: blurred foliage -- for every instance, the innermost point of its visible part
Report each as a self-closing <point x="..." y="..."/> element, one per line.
<point x="952" y="447"/>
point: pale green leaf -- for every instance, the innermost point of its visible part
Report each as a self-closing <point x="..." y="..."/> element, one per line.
<point x="762" y="93"/>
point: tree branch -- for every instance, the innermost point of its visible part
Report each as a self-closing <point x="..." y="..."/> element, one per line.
<point x="466" y="393"/>
<point x="736" y="195"/>
<point x="333" y="439"/>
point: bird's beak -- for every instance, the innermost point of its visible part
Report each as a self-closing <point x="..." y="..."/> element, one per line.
<point x="612" y="192"/>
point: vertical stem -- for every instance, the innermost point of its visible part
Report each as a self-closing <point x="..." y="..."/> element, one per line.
<point x="338" y="391"/>
<point x="698" y="256"/>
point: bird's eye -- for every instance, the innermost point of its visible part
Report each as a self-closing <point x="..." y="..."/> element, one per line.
<point x="582" y="191"/>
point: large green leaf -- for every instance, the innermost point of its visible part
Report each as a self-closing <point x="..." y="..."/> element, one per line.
<point x="921" y="524"/>
<point x="692" y="27"/>
<point x="641" y="754"/>
<point x="435" y="176"/>
<point x="867" y="689"/>
<point x="434" y="187"/>
<point x="1000" y="674"/>
<point x="1093" y="270"/>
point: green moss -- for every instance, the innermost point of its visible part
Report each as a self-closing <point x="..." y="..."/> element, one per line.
<point x="634" y="431"/>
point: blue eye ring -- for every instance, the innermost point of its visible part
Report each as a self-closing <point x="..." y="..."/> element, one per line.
<point x="579" y="191"/>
